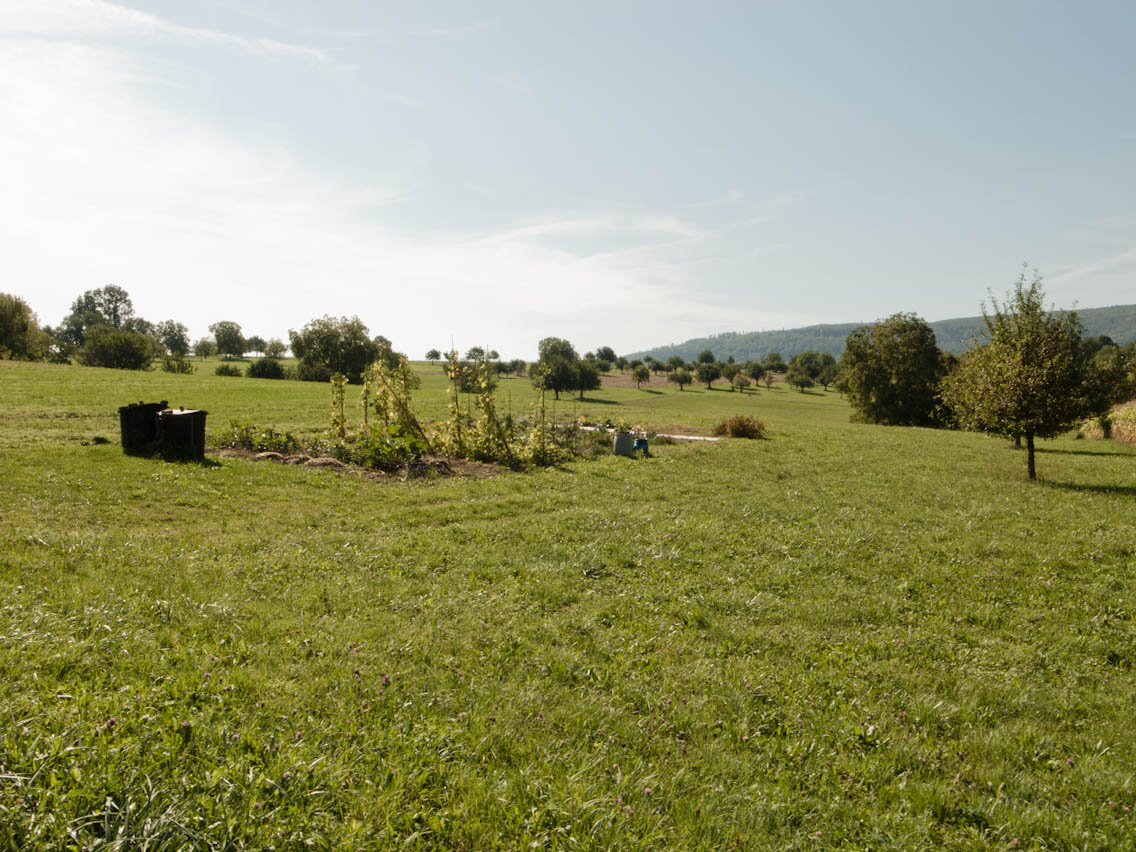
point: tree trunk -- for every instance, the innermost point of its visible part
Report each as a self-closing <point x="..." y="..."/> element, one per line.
<point x="1017" y="440"/>
<point x="1029" y="451"/>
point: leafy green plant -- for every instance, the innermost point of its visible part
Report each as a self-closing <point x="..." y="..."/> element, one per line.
<point x="227" y="370"/>
<point x="248" y="436"/>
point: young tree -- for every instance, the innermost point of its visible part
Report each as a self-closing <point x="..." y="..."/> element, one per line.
<point x="21" y="338"/>
<point x="433" y="355"/>
<point x="741" y="381"/>
<point x="797" y="377"/>
<point x="1032" y="378"/>
<point x="675" y="362"/>
<point x="606" y="353"/>
<point x="893" y="370"/>
<point x="641" y="374"/>
<point x="621" y="364"/>
<point x="205" y="347"/>
<point x="255" y="344"/>
<point x="275" y="347"/>
<point x="774" y="364"/>
<point x="587" y="377"/>
<point x="556" y="368"/>
<point x="707" y="371"/>
<point x="754" y="370"/>
<point x="680" y="377"/>
<point x="228" y="336"/>
<point x="706" y="357"/>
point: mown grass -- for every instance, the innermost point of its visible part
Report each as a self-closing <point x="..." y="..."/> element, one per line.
<point x="843" y="637"/>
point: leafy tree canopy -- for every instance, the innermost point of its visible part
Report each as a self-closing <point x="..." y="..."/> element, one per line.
<point x="892" y="370"/>
<point x="331" y="345"/>
<point x="21" y="338"/>
<point x="228" y="336"/>
<point x="1032" y="378"/>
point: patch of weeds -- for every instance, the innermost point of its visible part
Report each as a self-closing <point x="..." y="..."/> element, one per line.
<point x="249" y="436"/>
<point x="741" y="426"/>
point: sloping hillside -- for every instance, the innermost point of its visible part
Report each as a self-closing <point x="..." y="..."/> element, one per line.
<point x="955" y="335"/>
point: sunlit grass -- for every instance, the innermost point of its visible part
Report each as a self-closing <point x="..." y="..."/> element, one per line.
<point x="841" y="637"/>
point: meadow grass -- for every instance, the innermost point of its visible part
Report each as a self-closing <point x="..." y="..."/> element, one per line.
<point x="845" y="636"/>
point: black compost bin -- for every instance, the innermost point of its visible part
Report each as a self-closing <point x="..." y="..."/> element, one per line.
<point x="181" y="433"/>
<point x="139" y="427"/>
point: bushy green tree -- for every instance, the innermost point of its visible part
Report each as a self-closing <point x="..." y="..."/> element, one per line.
<point x="21" y="338"/>
<point x="1032" y="378"/>
<point x="706" y="357"/>
<point x="892" y="370"/>
<point x="112" y="347"/>
<point x="205" y="347"/>
<point x="433" y="355"/>
<point x="708" y="372"/>
<point x="330" y="345"/>
<point x="680" y="377"/>
<point x="173" y="336"/>
<point x="230" y="341"/>
<point x="108" y="305"/>
<point x="556" y="368"/>
<point x="265" y="368"/>
<point x="798" y="378"/>
<point x="255" y="344"/>
<point x="587" y="377"/>
<point x="275" y="347"/>
<point x="641" y="374"/>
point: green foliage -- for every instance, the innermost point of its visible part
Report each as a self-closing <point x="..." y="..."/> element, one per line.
<point x="336" y="345"/>
<point x="706" y="357"/>
<point x="228" y="336"/>
<point x="248" y="436"/>
<point x="265" y="368"/>
<point x="741" y="426"/>
<point x="206" y="347"/>
<point x="178" y="364"/>
<point x="173" y="336"/>
<point x="1032" y="378"/>
<point x="338" y="415"/>
<point x="275" y="348"/>
<point x="680" y="377"/>
<point x="559" y="367"/>
<point x="798" y="378"/>
<point x="110" y="306"/>
<point x="641" y="373"/>
<point x="708" y="372"/>
<point x="255" y="344"/>
<point x="231" y="370"/>
<point x="110" y="347"/>
<point x="741" y="381"/>
<point x="892" y="372"/>
<point x="433" y="355"/>
<point x="21" y="338"/>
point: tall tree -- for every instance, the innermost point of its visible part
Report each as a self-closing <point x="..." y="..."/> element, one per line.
<point x="21" y="338"/>
<point x="1032" y="378"/>
<point x="230" y="342"/>
<point x="331" y="345"/>
<point x="173" y="335"/>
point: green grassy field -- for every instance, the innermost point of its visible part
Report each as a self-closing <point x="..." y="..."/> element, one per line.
<point x="845" y="636"/>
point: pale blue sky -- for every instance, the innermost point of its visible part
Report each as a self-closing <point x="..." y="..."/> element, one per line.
<point x="624" y="174"/>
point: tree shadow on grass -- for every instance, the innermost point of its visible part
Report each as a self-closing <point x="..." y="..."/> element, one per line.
<point x="592" y="400"/>
<point x="1113" y="490"/>
<point x="1084" y="452"/>
<point x="648" y="390"/>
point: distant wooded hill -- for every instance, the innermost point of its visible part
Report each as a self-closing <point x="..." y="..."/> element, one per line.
<point x="953" y="335"/>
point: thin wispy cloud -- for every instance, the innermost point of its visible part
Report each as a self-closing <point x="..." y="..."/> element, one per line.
<point x="85" y="19"/>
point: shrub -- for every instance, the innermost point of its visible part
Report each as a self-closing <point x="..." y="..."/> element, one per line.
<point x="110" y="347"/>
<point x="227" y="370"/>
<point x="265" y="368"/>
<point x="741" y="426"/>
<point x="177" y="364"/>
